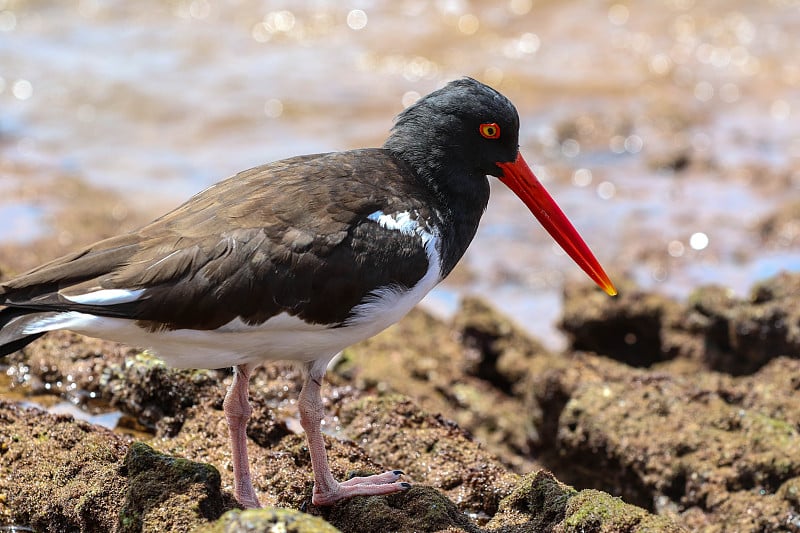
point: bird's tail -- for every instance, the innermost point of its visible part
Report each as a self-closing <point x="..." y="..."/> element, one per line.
<point x="13" y="329"/>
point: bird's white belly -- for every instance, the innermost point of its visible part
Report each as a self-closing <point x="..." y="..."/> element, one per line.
<point x="282" y="337"/>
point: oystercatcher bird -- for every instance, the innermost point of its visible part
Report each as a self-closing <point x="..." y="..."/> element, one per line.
<point x="296" y="260"/>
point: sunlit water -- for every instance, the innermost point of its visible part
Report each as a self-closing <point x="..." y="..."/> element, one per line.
<point x="161" y="99"/>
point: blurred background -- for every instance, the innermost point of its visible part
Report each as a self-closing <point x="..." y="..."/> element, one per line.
<point x="667" y="130"/>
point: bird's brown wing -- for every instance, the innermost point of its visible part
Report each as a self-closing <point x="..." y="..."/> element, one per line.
<point x="289" y="236"/>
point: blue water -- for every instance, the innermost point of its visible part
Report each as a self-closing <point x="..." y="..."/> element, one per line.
<point x="21" y="222"/>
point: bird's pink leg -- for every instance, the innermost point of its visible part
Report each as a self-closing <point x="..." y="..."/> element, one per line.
<point x="327" y="490"/>
<point x="237" y="411"/>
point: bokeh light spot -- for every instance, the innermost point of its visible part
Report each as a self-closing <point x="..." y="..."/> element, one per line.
<point x="200" y="9"/>
<point x="520" y="7"/>
<point x="8" y="21"/>
<point x="529" y="43"/>
<point x="698" y="241"/>
<point x="660" y="64"/>
<point x="675" y="248"/>
<point x="704" y="91"/>
<point x="22" y="89"/>
<point x="409" y="98"/>
<point x="570" y="148"/>
<point x="582" y="177"/>
<point x="780" y="110"/>
<point x="606" y="190"/>
<point x="633" y="144"/>
<point x="357" y="19"/>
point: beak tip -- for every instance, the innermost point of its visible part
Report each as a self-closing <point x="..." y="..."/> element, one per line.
<point x="608" y="287"/>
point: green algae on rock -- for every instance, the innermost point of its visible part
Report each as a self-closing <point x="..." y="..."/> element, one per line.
<point x="593" y="510"/>
<point x="420" y="509"/>
<point x="537" y="503"/>
<point x="167" y="492"/>
<point x="268" y="519"/>
<point x="542" y="504"/>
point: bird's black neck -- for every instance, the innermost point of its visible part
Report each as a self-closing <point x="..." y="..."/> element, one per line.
<point x="460" y="194"/>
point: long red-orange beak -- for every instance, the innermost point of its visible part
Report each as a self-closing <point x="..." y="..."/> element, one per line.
<point x="520" y="178"/>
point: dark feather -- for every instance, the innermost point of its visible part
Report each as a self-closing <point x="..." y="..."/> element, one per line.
<point x="291" y="236"/>
<point x="7" y="315"/>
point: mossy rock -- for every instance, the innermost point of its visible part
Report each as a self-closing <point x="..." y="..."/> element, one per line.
<point x="593" y="510"/>
<point x="167" y="492"/>
<point x="272" y="519"/>
<point x="420" y="509"/>
<point x="537" y="503"/>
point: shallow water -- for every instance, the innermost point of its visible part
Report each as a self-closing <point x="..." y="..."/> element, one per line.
<point x="665" y="129"/>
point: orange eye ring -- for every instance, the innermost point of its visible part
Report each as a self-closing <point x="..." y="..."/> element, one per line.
<point x="490" y="130"/>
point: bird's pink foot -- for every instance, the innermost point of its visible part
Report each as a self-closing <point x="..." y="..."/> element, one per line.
<point x="247" y="498"/>
<point x="377" y="485"/>
<point x="327" y="490"/>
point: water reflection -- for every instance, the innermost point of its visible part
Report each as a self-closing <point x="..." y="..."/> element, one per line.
<point x="651" y="123"/>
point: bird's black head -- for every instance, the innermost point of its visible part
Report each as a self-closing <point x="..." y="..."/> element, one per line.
<point x="452" y="139"/>
<point x="464" y="127"/>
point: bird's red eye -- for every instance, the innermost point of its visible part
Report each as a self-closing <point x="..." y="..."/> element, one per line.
<point x="490" y="130"/>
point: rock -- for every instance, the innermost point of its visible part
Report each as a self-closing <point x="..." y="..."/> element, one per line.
<point x="781" y="229"/>
<point x="160" y="394"/>
<point x="714" y="327"/>
<point x="654" y="422"/>
<point x="167" y="493"/>
<point x="716" y="450"/>
<point x="537" y="503"/>
<point x="89" y="370"/>
<point x="542" y="504"/>
<point x="742" y="336"/>
<point x="430" y="450"/>
<point x="630" y="328"/>
<point x="420" y="509"/>
<point x="268" y="519"/>
<point x="592" y="510"/>
<point x="58" y="474"/>
<point x="441" y="367"/>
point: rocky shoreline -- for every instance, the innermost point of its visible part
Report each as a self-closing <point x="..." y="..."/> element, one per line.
<point x="664" y="416"/>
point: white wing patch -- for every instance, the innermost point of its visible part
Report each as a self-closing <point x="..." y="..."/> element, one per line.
<point x="106" y="297"/>
<point x="386" y="305"/>
<point x="55" y="320"/>
<point x="403" y="223"/>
